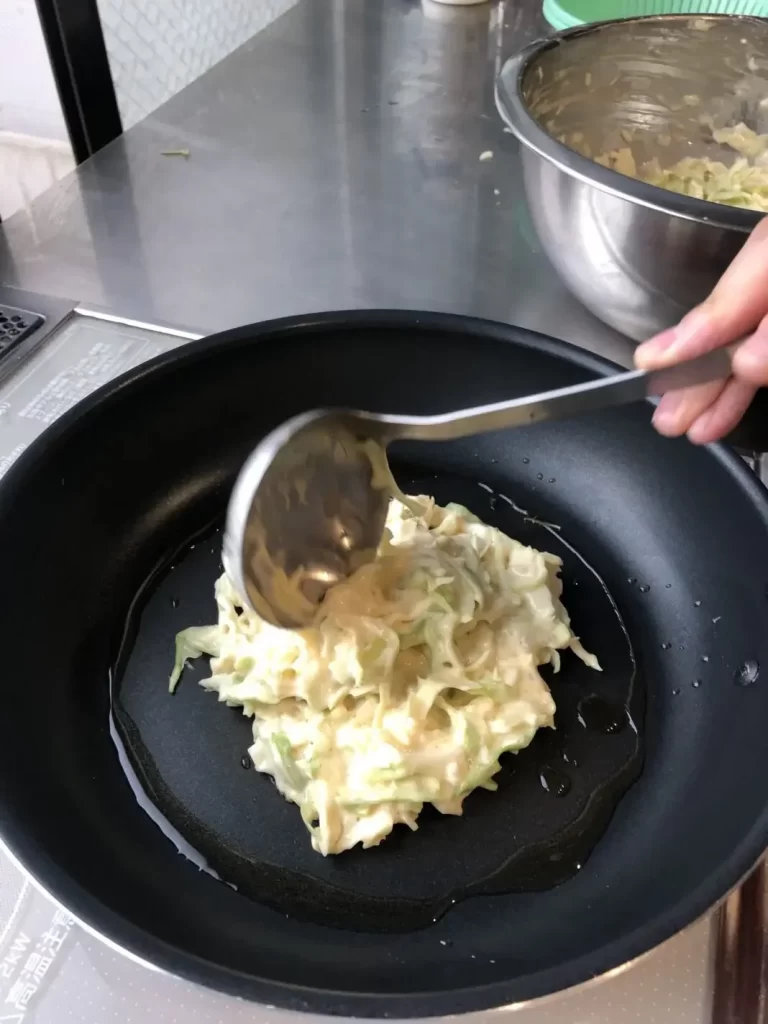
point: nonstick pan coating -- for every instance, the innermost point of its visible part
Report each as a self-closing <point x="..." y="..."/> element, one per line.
<point x="120" y="489"/>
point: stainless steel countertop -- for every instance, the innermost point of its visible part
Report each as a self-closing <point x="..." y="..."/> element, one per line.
<point x="334" y="163"/>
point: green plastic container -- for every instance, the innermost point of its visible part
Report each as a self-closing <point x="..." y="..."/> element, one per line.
<point x="572" y="13"/>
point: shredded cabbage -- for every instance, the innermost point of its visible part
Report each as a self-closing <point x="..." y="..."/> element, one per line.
<point x="744" y="183"/>
<point x="421" y="671"/>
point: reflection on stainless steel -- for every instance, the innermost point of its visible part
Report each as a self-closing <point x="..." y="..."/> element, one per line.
<point x="658" y="86"/>
<point x="176" y="332"/>
<point x="740" y="975"/>
<point x="308" y="508"/>
<point x="636" y="255"/>
<point x="309" y="505"/>
<point x="333" y="165"/>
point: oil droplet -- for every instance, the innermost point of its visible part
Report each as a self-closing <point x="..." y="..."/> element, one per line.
<point x="246" y="761"/>
<point x="676" y="692"/>
<point x="697" y="604"/>
<point x="705" y="658"/>
<point x="539" y="476"/>
<point x="601" y="715"/>
<point x="526" y="461"/>
<point x="696" y="684"/>
<point x="174" y="602"/>
<point x="552" y="480"/>
<point x="666" y="646"/>
<point x="747" y="673"/>
<point x="554" y="781"/>
<point x="645" y="588"/>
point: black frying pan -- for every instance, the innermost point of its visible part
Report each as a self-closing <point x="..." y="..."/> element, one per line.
<point x="644" y="815"/>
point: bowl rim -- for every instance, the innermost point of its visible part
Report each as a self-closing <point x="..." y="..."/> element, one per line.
<point x="514" y="112"/>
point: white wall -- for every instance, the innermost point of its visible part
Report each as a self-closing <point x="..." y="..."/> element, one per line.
<point x="29" y="104"/>
<point x="156" y="47"/>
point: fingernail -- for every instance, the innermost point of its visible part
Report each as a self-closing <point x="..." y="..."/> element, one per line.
<point x="650" y="350"/>
<point x="690" y="328"/>
<point x="751" y="359"/>
<point x="665" y="417"/>
<point x="669" y="343"/>
<point x="699" y="432"/>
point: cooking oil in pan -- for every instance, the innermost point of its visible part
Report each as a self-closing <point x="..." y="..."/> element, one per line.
<point x="602" y="715"/>
<point x="182" y="756"/>
<point x="149" y="806"/>
<point x="555" y="781"/>
<point x="747" y="673"/>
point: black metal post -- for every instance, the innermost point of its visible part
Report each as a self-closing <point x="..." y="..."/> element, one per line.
<point x="75" y="41"/>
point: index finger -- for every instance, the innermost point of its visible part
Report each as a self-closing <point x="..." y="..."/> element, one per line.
<point x="736" y="305"/>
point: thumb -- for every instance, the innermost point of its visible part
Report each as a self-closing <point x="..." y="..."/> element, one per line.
<point x="736" y="306"/>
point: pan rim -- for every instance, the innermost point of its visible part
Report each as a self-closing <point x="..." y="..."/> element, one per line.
<point x="151" y="950"/>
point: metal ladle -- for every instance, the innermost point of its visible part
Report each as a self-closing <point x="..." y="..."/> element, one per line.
<point x="309" y="505"/>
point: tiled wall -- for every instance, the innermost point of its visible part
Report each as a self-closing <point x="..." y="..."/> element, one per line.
<point x="156" y="47"/>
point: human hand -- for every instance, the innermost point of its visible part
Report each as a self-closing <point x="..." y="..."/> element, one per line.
<point x="737" y="308"/>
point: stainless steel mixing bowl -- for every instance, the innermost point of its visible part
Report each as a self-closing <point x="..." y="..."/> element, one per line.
<point x="638" y="256"/>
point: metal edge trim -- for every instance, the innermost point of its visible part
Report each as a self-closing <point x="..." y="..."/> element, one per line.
<point x="176" y="332"/>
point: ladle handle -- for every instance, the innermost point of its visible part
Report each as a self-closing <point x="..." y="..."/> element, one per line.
<point x="561" y="403"/>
